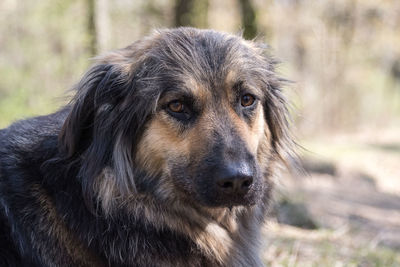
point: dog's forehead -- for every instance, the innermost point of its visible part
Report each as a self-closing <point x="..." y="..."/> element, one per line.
<point x="208" y="53"/>
<point x="214" y="89"/>
<point x="225" y="87"/>
<point x="206" y="63"/>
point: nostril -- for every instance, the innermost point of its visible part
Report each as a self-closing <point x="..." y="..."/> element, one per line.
<point x="238" y="184"/>
<point x="227" y="185"/>
<point x="246" y="183"/>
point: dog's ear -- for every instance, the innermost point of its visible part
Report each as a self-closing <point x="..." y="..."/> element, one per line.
<point x="105" y="120"/>
<point x="277" y="114"/>
<point x="90" y="98"/>
<point x="277" y="118"/>
<point x="276" y="106"/>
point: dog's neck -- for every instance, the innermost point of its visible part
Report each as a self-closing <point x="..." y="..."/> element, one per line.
<point x="219" y="233"/>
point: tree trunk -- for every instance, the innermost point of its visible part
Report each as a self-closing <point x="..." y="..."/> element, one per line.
<point x="91" y="27"/>
<point x="98" y="26"/>
<point x="249" y="23"/>
<point x="102" y="25"/>
<point x="192" y="13"/>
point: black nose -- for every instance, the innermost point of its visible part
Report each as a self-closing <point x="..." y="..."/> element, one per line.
<point x="234" y="179"/>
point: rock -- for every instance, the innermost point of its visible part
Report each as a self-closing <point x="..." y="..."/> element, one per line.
<point x="319" y="166"/>
<point x="295" y="214"/>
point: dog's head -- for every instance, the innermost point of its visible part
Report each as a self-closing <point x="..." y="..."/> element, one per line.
<point x="185" y="114"/>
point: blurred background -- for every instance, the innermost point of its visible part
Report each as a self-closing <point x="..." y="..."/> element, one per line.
<point x="344" y="59"/>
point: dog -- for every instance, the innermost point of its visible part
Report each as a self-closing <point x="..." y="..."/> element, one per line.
<point x="165" y="156"/>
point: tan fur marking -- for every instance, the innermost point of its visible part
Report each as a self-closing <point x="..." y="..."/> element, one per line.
<point x="252" y="134"/>
<point x="205" y="231"/>
<point x="215" y="241"/>
<point x="160" y="142"/>
<point x="230" y="79"/>
<point x="52" y="226"/>
<point x="200" y="93"/>
<point x="107" y="190"/>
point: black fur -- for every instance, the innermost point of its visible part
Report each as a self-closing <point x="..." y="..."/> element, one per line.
<point x="50" y="212"/>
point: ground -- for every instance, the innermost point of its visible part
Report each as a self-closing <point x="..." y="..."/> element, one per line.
<point x="352" y="193"/>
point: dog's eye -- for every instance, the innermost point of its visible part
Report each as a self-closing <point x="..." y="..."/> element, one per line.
<point x="247" y="100"/>
<point x="176" y="106"/>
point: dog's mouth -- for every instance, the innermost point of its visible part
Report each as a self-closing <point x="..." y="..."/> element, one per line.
<point x="230" y="197"/>
<point x="231" y="201"/>
<point x="223" y="185"/>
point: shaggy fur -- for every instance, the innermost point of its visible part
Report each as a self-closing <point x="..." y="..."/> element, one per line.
<point x="122" y="177"/>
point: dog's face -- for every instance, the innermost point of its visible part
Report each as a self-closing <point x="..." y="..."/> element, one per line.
<point x="189" y="114"/>
<point x="205" y="138"/>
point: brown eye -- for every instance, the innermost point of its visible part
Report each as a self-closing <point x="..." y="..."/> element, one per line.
<point x="247" y="100"/>
<point x="176" y="106"/>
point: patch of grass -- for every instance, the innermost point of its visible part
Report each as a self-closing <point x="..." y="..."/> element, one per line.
<point x="379" y="160"/>
<point x="290" y="246"/>
<point x="379" y="257"/>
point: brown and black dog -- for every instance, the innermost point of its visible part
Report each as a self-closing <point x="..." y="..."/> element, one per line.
<point x="165" y="157"/>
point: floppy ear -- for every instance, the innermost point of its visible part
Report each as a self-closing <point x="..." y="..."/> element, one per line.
<point x="276" y="108"/>
<point x="278" y="119"/>
<point x="77" y="130"/>
<point x="105" y="119"/>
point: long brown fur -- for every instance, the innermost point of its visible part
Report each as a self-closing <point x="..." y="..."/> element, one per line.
<point x="122" y="180"/>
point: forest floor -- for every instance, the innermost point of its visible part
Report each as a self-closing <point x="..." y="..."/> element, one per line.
<point x="351" y="192"/>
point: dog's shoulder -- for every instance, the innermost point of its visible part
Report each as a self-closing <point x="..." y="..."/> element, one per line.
<point x="25" y="146"/>
<point x="31" y="136"/>
<point x="26" y="208"/>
